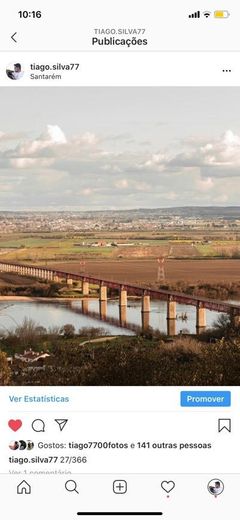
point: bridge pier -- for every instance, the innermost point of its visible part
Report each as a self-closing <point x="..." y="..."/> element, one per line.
<point x="69" y="282"/>
<point x="84" y="306"/>
<point x="171" y="327"/>
<point x="122" y="315"/>
<point x="102" y="309"/>
<point x="146" y="307"/>
<point x="201" y="320"/>
<point x="146" y="303"/>
<point x="103" y="293"/>
<point x="145" y="320"/>
<point x="171" y="310"/>
<point x="171" y="317"/>
<point x="85" y="288"/>
<point x="123" y="298"/>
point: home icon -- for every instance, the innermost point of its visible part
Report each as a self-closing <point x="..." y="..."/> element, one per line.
<point x="24" y="488"/>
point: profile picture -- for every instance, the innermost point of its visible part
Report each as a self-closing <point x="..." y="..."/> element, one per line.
<point x="14" y="445"/>
<point x="30" y="445"/>
<point x="215" y="487"/>
<point x="22" y="445"/>
<point x="14" y="71"/>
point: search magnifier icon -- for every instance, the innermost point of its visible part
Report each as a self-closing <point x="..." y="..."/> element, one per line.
<point x="71" y="485"/>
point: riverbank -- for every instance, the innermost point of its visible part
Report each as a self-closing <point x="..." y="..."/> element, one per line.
<point x="41" y="299"/>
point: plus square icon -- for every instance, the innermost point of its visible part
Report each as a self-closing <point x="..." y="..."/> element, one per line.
<point x="119" y="487"/>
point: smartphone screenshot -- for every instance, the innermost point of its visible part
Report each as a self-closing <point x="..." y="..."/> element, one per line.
<point x="119" y="260"/>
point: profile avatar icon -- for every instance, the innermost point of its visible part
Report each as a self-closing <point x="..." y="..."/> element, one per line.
<point x="14" y="445"/>
<point x="30" y="445"/>
<point x="14" y="71"/>
<point x="21" y="445"/>
<point x="215" y="487"/>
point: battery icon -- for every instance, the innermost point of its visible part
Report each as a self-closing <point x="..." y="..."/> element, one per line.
<point x="221" y="14"/>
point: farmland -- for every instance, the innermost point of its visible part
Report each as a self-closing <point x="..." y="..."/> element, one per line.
<point x="51" y="247"/>
<point x="186" y="246"/>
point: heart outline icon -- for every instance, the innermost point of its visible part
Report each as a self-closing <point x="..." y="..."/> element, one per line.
<point x="15" y="424"/>
<point x="167" y="485"/>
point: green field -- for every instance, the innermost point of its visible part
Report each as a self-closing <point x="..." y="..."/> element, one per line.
<point x="59" y="246"/>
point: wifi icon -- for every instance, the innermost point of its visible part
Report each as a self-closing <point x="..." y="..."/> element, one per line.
<point x="206" y="14"/>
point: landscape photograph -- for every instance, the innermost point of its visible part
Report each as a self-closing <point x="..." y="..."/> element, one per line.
<point x="120" y="236"/>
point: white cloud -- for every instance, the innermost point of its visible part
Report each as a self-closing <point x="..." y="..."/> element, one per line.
<point x="142" y="186"/>
<point x="171" y="195"/>
<point x="86" y="192"/>
<point x="205" y="184"/>
<point x="121" y="184"/>
<point x="64" y="169"/>
<point x="89" y="138"/>
<point x="53" y="135"/>
<point x="27" y="162"/>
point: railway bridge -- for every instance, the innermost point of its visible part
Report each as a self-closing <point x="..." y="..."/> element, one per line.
<point x="146" y="294"/>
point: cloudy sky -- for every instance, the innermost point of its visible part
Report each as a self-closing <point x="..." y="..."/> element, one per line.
<point x="118" y="148"/>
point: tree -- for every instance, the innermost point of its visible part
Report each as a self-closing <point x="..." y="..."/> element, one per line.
<point x="5" y="372"/>
<point x="68" y="330"/>
<point x="92" y="332"/>
<point x="28" y="332"/>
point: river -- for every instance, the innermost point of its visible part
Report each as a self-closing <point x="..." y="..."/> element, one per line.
<point x="86" y="314"/>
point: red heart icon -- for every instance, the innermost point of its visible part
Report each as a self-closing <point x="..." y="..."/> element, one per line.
<point x="15" y="424"/>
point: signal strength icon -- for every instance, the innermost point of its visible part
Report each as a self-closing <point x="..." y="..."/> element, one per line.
<point x="206" y="14"/>
<point x="194" y="15"/>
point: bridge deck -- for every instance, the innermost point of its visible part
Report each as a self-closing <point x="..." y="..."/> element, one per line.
<point x="158" y="294"/>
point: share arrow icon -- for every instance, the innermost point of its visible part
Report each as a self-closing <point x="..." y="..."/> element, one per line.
<point x="61" y="423"/>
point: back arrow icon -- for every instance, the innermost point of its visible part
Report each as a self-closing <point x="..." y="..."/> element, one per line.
<point x="13" y="37"/>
